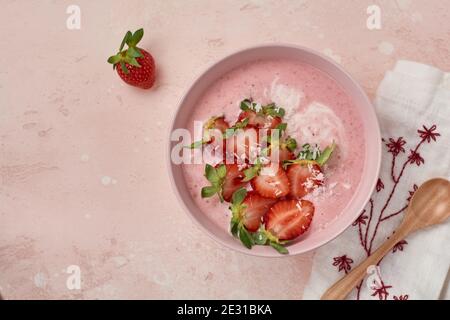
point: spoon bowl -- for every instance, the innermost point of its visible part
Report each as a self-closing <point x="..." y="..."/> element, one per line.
<point x="429" y="205"/>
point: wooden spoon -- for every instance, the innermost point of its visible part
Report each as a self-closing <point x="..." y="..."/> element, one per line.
<point x="429" y="205"/>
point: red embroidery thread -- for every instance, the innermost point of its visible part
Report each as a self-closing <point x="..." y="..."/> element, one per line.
<point x="395" y="147"/>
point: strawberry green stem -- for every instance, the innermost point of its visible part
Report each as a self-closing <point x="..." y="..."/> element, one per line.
<point x="129" y="55"/>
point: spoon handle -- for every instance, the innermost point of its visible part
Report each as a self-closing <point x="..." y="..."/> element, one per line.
<point x="343" y="287"/>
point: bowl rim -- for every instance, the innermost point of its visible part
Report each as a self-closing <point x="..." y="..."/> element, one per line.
<point x="377" y="136"/>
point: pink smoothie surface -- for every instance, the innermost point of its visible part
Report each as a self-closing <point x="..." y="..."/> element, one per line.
<point x="318" y="111"/>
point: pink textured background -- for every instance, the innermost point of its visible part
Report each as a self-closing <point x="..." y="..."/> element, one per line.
<point x="67" y="122"/>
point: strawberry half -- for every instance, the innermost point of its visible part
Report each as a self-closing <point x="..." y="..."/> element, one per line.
<point x="304" y="176"/>
<point x="259" y="121"/>
<point x="256" y="207"/>
<point x="288" y="219"/>
<point x="284" y="154"/>
<point x="134" y="65"/>
<point x="243" y="145"/>
<point x="271" y="183"/>
<point x="233" y="181"/>
<point x="220" y="124"/>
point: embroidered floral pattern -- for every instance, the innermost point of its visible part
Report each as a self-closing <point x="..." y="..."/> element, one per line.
<point x="415" y="157"/>
<point x="380" y="185"/>
<point x="361" y="220"/>
<point x="401" y="297"/>
<point x="381" y="291"/>
<point x="367" y="232"/>
<point x="428" y="134"/>
<point x="399" y="246"/>
<point x="411" y="193"/>
<point x="396" y="146"/>
<point x="343" y="263"/>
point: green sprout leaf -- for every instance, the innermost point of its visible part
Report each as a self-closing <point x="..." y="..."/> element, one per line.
<point x="309" y="152"/>
<point x="326" y="154"/>
<point x="279" y="247"/>
<point x="253" y="171"/>
<point x="273" y="111"/>
<point x="196" y="144"/>
<point x="231" y="131"/>
<point x="242" y="124"/>
<point x="291" y="144"/>
<point x="282" y="127"/>
<point x="246" y="105"/>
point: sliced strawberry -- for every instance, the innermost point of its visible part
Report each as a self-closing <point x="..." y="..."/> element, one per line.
<point x="272" y="122"/>
<point x="304" y="177"/>
<point x="283" y="154"/>
<point x="258" y="120"/>
<point x="221" y="124"/>
<point x="286" y="154"/>
<point x="233" y="181"/>
<point x="254" y="119"/>
<point x="288" y="219"/>
<point x="216" y="141"/>
<point x="244" y="145"/>
<point x="256" y="207"/>
<point x="271" y="183"/>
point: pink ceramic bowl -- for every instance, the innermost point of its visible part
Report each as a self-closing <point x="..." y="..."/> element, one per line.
<point x="371" y="133"/>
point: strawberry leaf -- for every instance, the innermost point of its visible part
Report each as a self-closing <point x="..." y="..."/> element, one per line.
<point x="208" y="192"/>
<point x="211" y="174"/>
<point x="222" y="171"/>
<point x="234" y="227"/>
<point x="260" y="237"/>
<point x="280" y="248"/>
<point x="216" y="176"/>
<point x="125" y="40"/>
<point x="114" y="59"/>
<point x="134" y="52"/>
<point x="135" y="38"/>
<point x="124" y="67"/>
<point x="245" y="237"/>
<point x="239" y="196"/>
<point x="132" y="61"/>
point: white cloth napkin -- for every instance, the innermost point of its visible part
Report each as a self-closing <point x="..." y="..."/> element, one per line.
<point x="413" y="106"/>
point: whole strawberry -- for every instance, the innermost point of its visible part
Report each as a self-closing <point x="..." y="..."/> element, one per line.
<point x="134" y="65"/>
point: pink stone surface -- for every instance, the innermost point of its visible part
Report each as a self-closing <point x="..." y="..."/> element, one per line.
<point x="83" y="179"/>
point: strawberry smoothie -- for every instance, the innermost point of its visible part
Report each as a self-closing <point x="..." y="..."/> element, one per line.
<point x="317" y="111"/>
